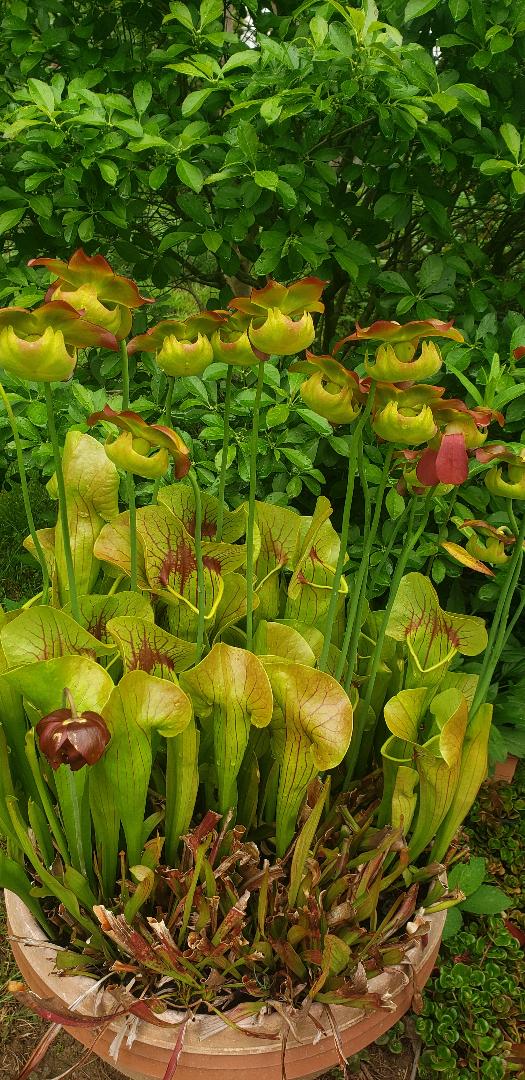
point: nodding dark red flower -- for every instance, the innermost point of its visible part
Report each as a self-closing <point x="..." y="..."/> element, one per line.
<point x="67" y="738"/>
<point x="447" y="465"/>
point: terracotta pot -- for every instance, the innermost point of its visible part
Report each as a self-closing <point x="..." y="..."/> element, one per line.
<point x="505" y="770"/>
<point x="212" y="1049"/>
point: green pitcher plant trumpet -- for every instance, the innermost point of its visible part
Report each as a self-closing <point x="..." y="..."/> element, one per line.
<point x="237" y="742"/>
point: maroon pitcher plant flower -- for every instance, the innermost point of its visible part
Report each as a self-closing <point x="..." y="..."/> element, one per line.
<point x="461" y="432"/>
<point x="67" y="738"/>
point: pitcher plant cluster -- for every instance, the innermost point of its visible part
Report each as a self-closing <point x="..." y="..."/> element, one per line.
<point x="224" y="773"/>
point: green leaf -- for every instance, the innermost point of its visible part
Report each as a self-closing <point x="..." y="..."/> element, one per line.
<point x="265" y="178"/>
<point x="395" y="504"/>
<point x="518" y="179"/>
<point x="231" y="687"/>
<point x="511" y="138"/>
<point x="42" y="633"/>
<point x="244" y="58"/>
<point x="139" y="706"/>
<point x="189" y="174"/>
<point x="142" y="94"/>
<point x="42" y="205"/>
<point x="277" y="414"/>
<point x="248" y="141"/>
<point x="108" y="171"/>
<point x="394" y="282"/>
<point x="10" y="218"/>
<point x="474" y="761"/>
<point x="157" y="176"/>
<point x="209" y="11"/>
<point x="495" y="166"/>
<point x="145" y="646"/>
<point x="434" y="636"/>
<point x="453" y="923"/>
<point x="193" y="102"/>
<point x="318" y="30"/>
<point x="415" y="8"/>
<point x="311" y="732"/>
<point x="458" y="9"/>
<point x="487" y="900"/>
<point x="212" y="240"/>
<point x="467" y="876"/>
<point x="86" y="229"/>
<point x="304" y="843"/>
<point x="181" y="13"/>
<point x="182" y="784"/>
<point x="42" y="95"/>
<point x="92" y="485"/>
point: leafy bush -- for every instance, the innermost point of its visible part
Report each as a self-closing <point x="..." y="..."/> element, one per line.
<point x="211" y="148"/>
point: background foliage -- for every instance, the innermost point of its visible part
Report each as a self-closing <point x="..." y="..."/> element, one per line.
<point x="215" y="144"/>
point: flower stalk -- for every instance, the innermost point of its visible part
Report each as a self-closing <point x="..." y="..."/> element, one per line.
<point x="192" y="477"/>
<point x="224" y="455"/>
<point x="353" y="626"/>
<point x="62" y="502"/>
<point x="250" y="569"/>
<point x="345" y="527"/>
<point x="498" y="630"/>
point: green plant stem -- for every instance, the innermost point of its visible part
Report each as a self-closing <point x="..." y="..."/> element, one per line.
<point x="353" y="626"/>
<point x="166" y="419"/>
<point x="250" y="569"/>
<point x="130" y="484"/>
<point x="225" y="447"/>
<point x="496" y="621"/>
<point x="393" y="537"/>
<point x="360" y="745"/>
<point x="406" y="551"/>
<point x="515" y="618"/>
<point x="124" y="360"/>
<point x="200" y="565"/>
<point x="498" y="630"/>
<point x="345" y="528"/>
<point x="25" y="496"/>
<point x="443" y="529"/>
<point x="62" y="504"/>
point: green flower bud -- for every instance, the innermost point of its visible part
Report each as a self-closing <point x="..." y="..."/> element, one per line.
<point x="116" y="318"/>
<point x="280" y="335"/>
<point x="236" y="350"/>
<point x="336" y="402"/>
<point x="132" y="455"/>
<point x="185" y="357"/>
<point x="490" y="550"/>
<point x="405" y="426"/>
<point x="42" y="359"/>
<point x="390" y="367"/>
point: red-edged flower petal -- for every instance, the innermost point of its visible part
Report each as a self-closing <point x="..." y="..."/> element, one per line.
<point x="303" y="295"/>
<point x="426" y="468"/>
<point x="395" y="332"/>
<point x="481" y="416"/>
<point x="452" y="460"/>
<point x="156" y="435"/>
<point x="60" y="316"/>
<point x="493" y="452"/>
<point x="205" y="322"/>
<point x="486" y="529"/>
<point x="95" y="270"/>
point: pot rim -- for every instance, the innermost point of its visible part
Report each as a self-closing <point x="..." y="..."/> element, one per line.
<point x="209" y="1034"/>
